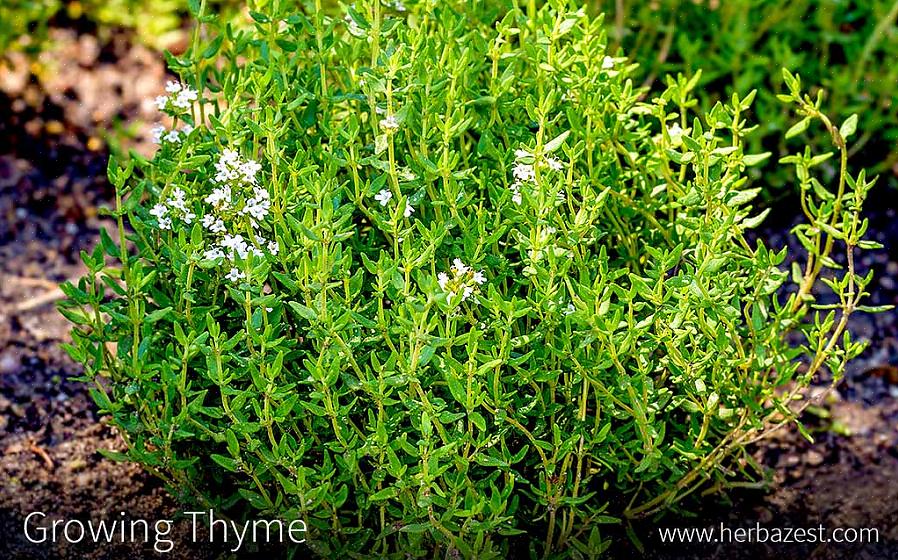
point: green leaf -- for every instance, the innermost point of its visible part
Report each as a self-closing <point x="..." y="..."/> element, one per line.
<point x="556" y="142"/>
<point x="848" y="127"/>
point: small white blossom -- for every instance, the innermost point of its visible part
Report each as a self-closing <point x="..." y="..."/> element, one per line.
<point x="607" y="63"/>
<point x="273" y="247"/>
<point x="524" y="172"/>
<point x="231" y="168"/>
<point x="156" y="133"/>
<point x="409" y="209"/>
<point x="389" y="123"/>
<point x="164" y="223"/>
<point x="569" y="309"/>
<point x="172" y="86"/>
<point x="236" y="245"/>
<point x="213" y="223"/>
<point x="161" y="102"/>
<point x="258" y="206"/>
<point x="173" y="137"/>
<point x="178" y="199"/>
<point x="676" y="133"/>
<point x="516" y="197"/>
<point x="159" y="211"/>
<point x="459" y="267"/>
<point x="521" y="153"/>
<point x="383" y="197"/>
<point x="185" y="98"/>
<point x="213" y="253"/>
<point x="554" y="164"/>
<point x="478" y="277"/>
<point x="442" y="279"/>
<point x="220" y="197"/>
<point x="235" y="275"/>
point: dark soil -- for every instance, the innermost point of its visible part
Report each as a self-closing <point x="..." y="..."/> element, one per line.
<point x="52" y="183"/>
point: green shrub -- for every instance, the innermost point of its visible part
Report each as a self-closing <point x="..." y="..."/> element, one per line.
<point x="847" y="46"/>
<point x="438" y="279"/>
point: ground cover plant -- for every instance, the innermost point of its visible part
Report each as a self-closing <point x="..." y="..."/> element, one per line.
<point x="846" y="47"/>
<point x="437" y="279"/>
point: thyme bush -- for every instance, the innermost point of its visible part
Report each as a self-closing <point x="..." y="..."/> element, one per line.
<point x="439" y="280"/>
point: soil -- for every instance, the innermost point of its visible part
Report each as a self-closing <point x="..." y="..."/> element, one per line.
<point x="53" y="156"/>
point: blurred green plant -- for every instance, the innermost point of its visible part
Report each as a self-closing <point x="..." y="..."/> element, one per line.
<point x="438" y="279"/>
<point x="23" y="24"/>
<point x="847" y="47"/>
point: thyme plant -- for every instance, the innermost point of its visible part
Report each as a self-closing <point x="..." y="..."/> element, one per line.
<point x="438" y="281"/>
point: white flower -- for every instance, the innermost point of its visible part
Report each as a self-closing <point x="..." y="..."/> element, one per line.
<point x="164" y="223"/>
<point x="569" y="309"/>
<point x="383" y="197"/>
<point x="156" y="133"/>
<point x="523" y="172"/>
<point x="607" y="63"/>
<point x="159" y="211"/>
<point x="273" y="247"/>
<point x="521" y="153"/>
<point x="186" y="130"/>
<point x="172" y="86"/>
<point x="231" y="168"/>
<point x="554" y="164"/>
<point x="464" y="280"/>
<point x="234" y="275"/>
<point x="258" y="206"/>
<point x="459" y="267"/>
<point x="213" y="253"/>
<point x="236" y="245"/>
<point x="676" y="134"/>
<point x="399" y="6"/>
<point x="220" y="197"/>
<point x="177" y="199"/>
<point x="188" y="217"/>
<point x="161" y="102"/>
<point x="409" y="209"/>
<point x="516" y="197"/>
<point x="389" y="123"/>
<point x="248" y="170"/>
<point x="173" y="137"/>
<point x="213" y="223"/>
<point x="184" y="98"/>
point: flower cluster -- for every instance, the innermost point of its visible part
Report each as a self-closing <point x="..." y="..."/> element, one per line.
<point x="230" y="168"/>
<point x="174" y="206"/>
<point x="236" y="199"/>
<point x="236" y="195"/>
<point x="524" y="172"/>
<point x="179" y="99"/>
<point x="161" y="134"/>
<point x="464" y="280"/>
